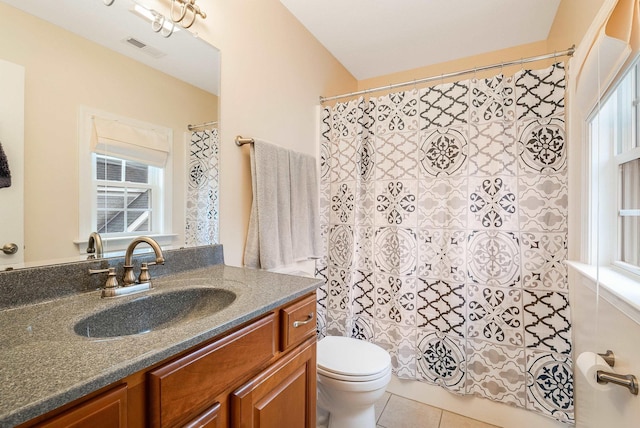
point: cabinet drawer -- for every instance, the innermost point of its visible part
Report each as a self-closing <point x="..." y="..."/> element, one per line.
<point x="298" y="321"/>
<point x="191" y="383"/>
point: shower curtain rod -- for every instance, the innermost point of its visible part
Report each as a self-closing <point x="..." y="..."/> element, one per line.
<point x="568" y="52"/>
<point x="192" y="127"/>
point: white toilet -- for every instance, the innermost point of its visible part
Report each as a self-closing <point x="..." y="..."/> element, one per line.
<point x="352" y="375"/>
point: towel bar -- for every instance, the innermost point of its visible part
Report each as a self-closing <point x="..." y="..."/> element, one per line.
<point x="242" y="141"/>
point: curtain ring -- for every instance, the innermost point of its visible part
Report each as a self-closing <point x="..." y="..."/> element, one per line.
<point x="169" y="30"/>
<point x="193" y="16"/>
<point x="108" y="2"/>
<point x="182" y="13"/>
<point x="158" y="21"/>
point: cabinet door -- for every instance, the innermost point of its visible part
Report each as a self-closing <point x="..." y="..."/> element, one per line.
<point x="284" y="395"/>
<point x="108" y="410"/>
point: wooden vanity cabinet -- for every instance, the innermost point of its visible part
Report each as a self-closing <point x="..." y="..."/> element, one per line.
<point x="261" y="374"/>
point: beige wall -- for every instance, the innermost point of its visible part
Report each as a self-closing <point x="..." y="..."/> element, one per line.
<point x="273" y="72"/>
<point x="64" y="72"/>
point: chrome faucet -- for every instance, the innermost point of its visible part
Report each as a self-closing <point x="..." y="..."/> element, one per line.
<point x="129" y="277"/>
<point x="94" y="246"/>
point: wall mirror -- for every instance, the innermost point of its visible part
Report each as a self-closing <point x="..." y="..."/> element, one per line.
<point x="82" y="55"/>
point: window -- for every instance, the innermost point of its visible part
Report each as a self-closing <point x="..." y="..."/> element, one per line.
<point x="128" y="189"/>
<point x="615" y="149"/>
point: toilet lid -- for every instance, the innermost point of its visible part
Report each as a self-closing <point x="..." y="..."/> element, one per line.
<point x="344" y="356"/>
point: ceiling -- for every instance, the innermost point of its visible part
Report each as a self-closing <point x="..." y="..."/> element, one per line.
<point x="373" y="38"/>
<point x="182" y="55"/>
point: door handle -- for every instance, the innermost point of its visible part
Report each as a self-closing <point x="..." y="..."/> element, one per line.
<point x="10" y="248"/>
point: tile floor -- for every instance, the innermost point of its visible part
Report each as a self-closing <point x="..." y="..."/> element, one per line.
<point x="393" y="411"/>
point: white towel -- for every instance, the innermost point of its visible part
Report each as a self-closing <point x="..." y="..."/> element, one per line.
<point x="284" y="221"/>
<point x="305" y="216"/>
<point x="269" y="237"/>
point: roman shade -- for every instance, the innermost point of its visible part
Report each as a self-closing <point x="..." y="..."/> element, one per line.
<point x="614" y="47"/>
<point x="121" y="140"/>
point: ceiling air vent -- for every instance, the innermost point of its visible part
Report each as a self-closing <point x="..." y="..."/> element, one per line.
<point x="143" y="47"/>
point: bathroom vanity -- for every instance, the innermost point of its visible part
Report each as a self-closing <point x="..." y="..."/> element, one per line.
<point x="249" y="362"/>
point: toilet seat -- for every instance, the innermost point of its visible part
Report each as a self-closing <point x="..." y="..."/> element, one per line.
<point x="351" y="360"/>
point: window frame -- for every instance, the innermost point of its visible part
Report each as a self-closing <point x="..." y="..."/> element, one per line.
<point x="87" y="207"/>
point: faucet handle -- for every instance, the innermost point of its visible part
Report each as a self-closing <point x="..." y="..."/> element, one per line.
<point x="144" y="272"/>
<point x="112" y="281"/>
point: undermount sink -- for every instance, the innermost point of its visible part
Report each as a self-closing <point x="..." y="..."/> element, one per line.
<point x="154" y="312"/>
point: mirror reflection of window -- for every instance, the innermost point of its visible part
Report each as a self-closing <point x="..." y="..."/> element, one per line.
<point x="124" y="194"/>
<point x="128" y="192"/>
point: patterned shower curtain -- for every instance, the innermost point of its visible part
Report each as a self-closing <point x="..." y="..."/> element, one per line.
<point x="202" y="188"/>
<point x="444" y="215"/>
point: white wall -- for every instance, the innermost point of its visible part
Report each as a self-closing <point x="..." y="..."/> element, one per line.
<point x="599" y="325"/>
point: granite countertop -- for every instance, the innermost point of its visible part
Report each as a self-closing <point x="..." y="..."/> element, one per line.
<point x="44" y="364"/>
